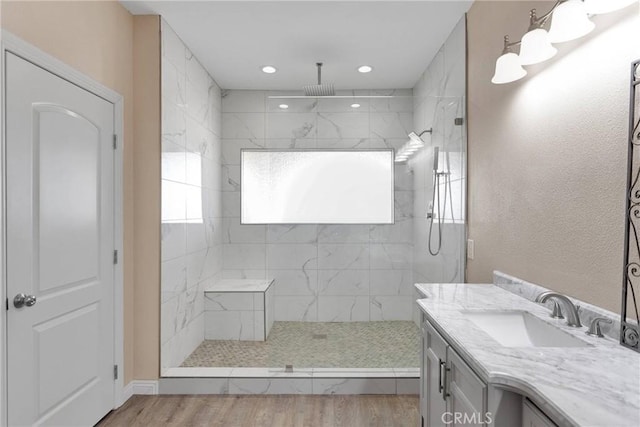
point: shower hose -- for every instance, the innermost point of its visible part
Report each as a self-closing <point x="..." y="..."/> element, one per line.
<point x="440" y="213"/>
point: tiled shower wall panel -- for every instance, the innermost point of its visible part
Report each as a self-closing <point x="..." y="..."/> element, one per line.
<point x="322" y="273"/>
<point x="191" y="197"/>
<point x="438" y="100"/>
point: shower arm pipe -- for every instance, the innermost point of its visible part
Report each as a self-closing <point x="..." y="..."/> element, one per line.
<point x="534" y="23"/>
<point x="537" y="22"/>
<point x="430" y="130"/>
<point x="508" y="45"/>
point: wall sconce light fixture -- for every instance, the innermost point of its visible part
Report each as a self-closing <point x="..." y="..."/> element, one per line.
<point x="508" y="66"/>
<point x="569" y="21"/>
<point x="535" y="46"/>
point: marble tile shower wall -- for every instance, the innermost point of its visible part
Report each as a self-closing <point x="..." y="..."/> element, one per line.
<point x="438" y="100"/>
<point x="191" y="197"/>
<point x="322" y="272"/>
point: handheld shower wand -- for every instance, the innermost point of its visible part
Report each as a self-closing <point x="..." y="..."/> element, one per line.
<point x="435" y="199"/>
<point x="436" y="152"/>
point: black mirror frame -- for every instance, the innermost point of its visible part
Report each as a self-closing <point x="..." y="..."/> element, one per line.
<point x="630" y="329"/>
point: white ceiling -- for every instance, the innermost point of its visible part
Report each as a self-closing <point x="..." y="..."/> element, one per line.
<point x="233" y="39"/>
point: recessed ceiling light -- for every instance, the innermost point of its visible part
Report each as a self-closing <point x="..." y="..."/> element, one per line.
<point x="283" y="106"/>
<point x="269" y="69"/>
<point x="356" y="105"/>
<point x="365" y="69"/>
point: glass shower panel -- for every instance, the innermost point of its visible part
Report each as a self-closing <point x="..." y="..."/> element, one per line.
<point x="341" y="287"/>
<point x="439" y="222"/>
<point x="449" y="136"/>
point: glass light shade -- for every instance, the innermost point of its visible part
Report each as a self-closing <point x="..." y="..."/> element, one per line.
<point x="598" y="7"/>
<point x="569" y="22"/>
<point x="536" y="47"/>
<point x="508" y="69"/>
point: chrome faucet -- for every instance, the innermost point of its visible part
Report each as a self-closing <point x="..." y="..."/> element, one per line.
<point x="594" y="329"/>
<point x="570" y="310"/>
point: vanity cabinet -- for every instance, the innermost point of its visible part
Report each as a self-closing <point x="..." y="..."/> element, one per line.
<point x="533" y="417"/>
<point x="451" y="394"/>
<point x="434" y="355"/>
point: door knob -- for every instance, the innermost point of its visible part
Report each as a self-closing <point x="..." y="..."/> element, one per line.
<point x="21" y="300"/>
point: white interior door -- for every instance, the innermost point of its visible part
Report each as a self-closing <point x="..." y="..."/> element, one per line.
<point x="60" y="243"/>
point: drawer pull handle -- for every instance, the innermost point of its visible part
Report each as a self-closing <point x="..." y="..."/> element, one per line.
<point x="445" y="393"/>
<point x="440" y="384"/>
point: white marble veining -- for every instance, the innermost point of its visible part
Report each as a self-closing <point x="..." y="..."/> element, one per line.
<point x="343" y="256"/>
<point x="300" y="381"/>
<point x="292" y="256"/>
<point x="438" y="99"/>
<point x="343" y="308"/>
<point x="343" y="125"/>
<point x="400" y="232"/>
<point x="296" y="308"/>
<point x="391" y="124"/>
<point x="231" y="325"/>
<point x="239" y="309"/>
<point x="338" y="233"/>
<point x="343" y="282"/>
<point x="240" y="285"/>
<point x="269" y="310"/>
<point x="313" y="264"/>
<point x="391" y="256"/>
<point x="191" y="238"/>
<point x="244" y="256"/>
<point x="391" y="282"/>
<point x="270" y="385"/>
<point x="595" y="385"/>
<point x="292" y="233"/>
<point x="243" y="125"/>
<point x="354" y="386"/>
<point x="390" y="307"/>
<point x="587" y="311"/>
<point x="212" y="372"/>
<point x="291" y="125"/>
<point x="295" y="282"/>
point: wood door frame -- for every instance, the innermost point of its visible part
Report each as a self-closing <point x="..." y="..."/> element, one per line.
<point x="11" y="43"/>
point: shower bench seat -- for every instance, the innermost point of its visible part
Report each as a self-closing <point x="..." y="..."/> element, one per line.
<point x="239" y="309"/>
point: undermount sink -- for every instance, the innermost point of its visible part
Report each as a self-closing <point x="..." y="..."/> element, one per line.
<point x="521" y="329"/>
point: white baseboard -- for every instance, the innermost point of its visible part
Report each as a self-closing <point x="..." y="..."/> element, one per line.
<point x="148" y="387"/>
<point x="127" y="392"/>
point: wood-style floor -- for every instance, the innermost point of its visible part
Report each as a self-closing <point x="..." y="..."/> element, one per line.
<point x="266" y="411"/>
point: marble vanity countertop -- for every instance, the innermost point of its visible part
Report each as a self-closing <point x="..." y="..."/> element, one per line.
<point x="240" y="285"/>
<point x="596" y="385"/>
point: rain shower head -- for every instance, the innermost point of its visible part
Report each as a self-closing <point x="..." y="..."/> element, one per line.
<point x="319" y="89"/>
<point x="414" y="138"/>
<point x="414" y="144"/>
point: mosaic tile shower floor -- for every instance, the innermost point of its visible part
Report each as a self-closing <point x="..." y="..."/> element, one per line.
<point x="385" y="344"/>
